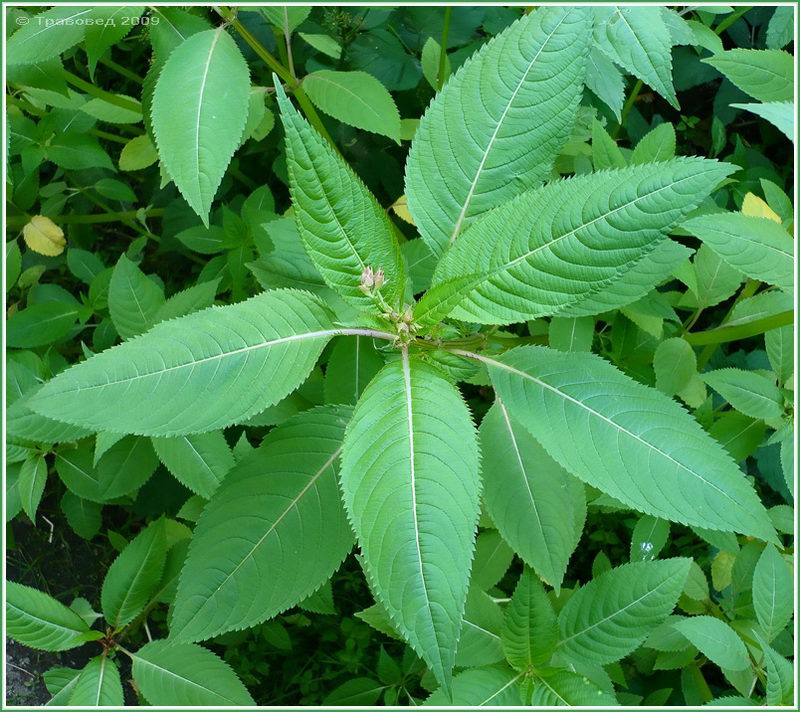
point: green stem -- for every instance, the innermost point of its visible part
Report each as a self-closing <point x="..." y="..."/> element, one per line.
<point x="120" y="101"/>
<point x="626" y="109"/>
<point x="108" y="136"/>
<point x="730" y="19"/>
<point x="748" y="290"/>
<point x="293" y="85"/>
<point x="288" y="37"/>
<point x="723" y="334"/>
<point x="242" y="178"/>
<point x="123" y="71"/>
<point x="18" y="221"/>
<point x="448" y="11"/>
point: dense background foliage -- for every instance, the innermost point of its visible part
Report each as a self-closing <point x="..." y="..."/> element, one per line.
<point x="101" y="245"/>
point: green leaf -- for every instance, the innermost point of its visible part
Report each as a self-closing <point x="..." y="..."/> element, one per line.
<point x="186" y="674"/>
<point x="322" y="43"/>
<point x="83" y="516"/>
<point x="493" y="558"/>
<point x="32" y="479"/>
<point x="476" y="146"/>
<point x="279" y="510"/>
<point x="47" y="35"/>
<point x="748" y="392"/>
<point x="759" y="247"/>
<point x="780" y="678"/>
<point x="134" y="576"/>
<point x="553" y="247"/>
<point x="360" y="691"/>
<point x="197" y="135"/>
<point x="286" y="18"/>
<point x="481" y="687"/>
<point x="431" y="58"/>
<point x="40" y="324"/>
<point x="40" y="622"/>
<point x="411" y="489"/>
<point x="779" y="113"/>
<point x="764" y="74"/>
<point x="638" y="40"/>
<point x="77" y="152"/>
<point x="133" y="299"/>
<point x="656" y="145"/>
<point x="635" y="444"/>
<point x="780" y="33"/>
<point x="189" y="300"/>
<point x="716" y="640"/>
<point x="649" y="537"/>
<point x="675" y="364"/>
<point x="605" y="81"/>
<point x="529" y="630"/>
<point x="126" y="466"/>
<point x="356" y="99"/>
<point x="779" y="344"/>
<point x="106" y="27"/>
<point x="13" y="263"/>
<point x="612" y="615"/>
<point x="605" y="152"/>
<point x="564" y="687"/>
<point x="537" y="506"/>
<point x="60" y="683"/>
<point x="198" y="461"/>
<point x="480" y="636"/>
<point x="342" y="226"/>
<point x="772" y="592"/>
<point x="111" y="113"/>
<point x="353" y="363"/>
<point x="202" y="367"/>
<point x="137" y="154"/>
<point x="98" y="685"/>
<point x="571" y="333"/>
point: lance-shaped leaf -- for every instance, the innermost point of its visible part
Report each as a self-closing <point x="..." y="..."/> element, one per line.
<point x="553" y="247"/>
<point x="199" y="114"/>
<point x="273" y="533"/>
<point x="529" y="629"/>
<point x="186" y="674"/>
<point x="494" y="686"/>
<point x="772" y="592"/>
<point x="134" y="300"/>
<point x="98" y="685"/>
<point x="556" y="688"/>
<point x="411" y="489"/>
<point x="343" y="227"/>
<point x="612" y="615"/>
<point x="47" y="35"/>
<point x="198" y="461"/>
<point x="628" y="440"/>
<point x="39" y="621"/>
<point x="31" y="482"/>
<point x="537" y="506"/>
<point x="764" y="74"/>
<point x="134" y="576"/>
<point x="197" y="373"/>
<point x="716" y="640"/>
<point x="637" y="38"/>
<point x="498" y="124"/>
<point x="759" y="247"/>
<point x="779" y="113"/>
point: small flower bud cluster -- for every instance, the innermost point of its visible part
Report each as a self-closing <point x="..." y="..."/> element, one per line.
<point x="371" y="280"/>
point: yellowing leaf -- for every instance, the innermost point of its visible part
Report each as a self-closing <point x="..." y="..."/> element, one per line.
<point x="757" y="208"/>
<point x="400" y="208"/>
<point x="42" y="235"/>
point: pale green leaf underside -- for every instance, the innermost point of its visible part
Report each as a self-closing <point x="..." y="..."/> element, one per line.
<point x="764" y="74"/>
<point x="98" y="684"/>
<point x="716" y="640"/>
<point x="196" y="373"/>
<point x="610" y="616"/>
<point x="638" y="40"/>
<point x="39" y="621"/>
<point x="779" y="113"/>
<point x="498" y="124"/>
<point x="635" y="443"/>
<point x="342" y="226"/>
<point x="537" y="506"/>
<point x="354" y="98"/>
<point x="199" y="113"/>
<point x="273" y="533"/>
<point x="410" y="483"/>
<point x="186" y="674"/>
<point x="554" y="247"/>
<point x="759" y="247"/>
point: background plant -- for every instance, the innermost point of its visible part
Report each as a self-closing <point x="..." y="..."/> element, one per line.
<point x="622" y="337"/>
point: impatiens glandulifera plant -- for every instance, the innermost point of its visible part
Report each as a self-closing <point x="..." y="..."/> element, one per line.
<point x="393" y="463"/>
